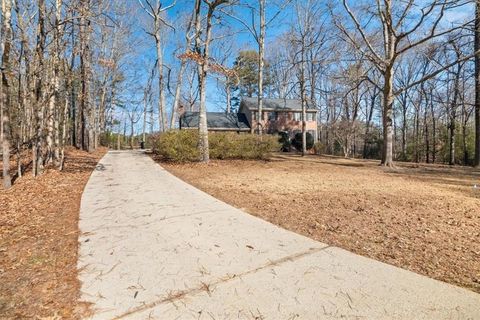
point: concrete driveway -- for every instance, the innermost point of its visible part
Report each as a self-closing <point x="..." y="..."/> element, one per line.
<point x="154" y="247"/>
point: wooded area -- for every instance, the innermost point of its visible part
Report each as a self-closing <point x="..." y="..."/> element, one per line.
<point x="392" y="80"/>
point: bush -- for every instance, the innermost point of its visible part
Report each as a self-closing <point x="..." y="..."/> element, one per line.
<point x="177" y="146"/>
<point x="284" y="141"/>
<point x="297" y="141"/>
<point x="181" y="146"/>
<point x="319" y="148"/>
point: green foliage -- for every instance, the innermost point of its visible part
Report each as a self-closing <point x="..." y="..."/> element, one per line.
<point x="246" y="66"/>
<point x="297" y="141"/>
<point x="181" y="146"/>
<point x="177" y="146"/>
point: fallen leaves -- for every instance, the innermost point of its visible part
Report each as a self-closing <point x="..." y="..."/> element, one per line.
<point x="39" y="238"/>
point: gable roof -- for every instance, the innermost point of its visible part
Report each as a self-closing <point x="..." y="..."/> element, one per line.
<point x="216" y="120"/>
<point x="275" y="104"/>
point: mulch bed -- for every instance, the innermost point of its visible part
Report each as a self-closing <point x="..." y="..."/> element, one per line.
<point x="39" y="241"/>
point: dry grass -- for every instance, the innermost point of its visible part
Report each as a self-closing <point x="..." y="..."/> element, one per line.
<point x="39" y="240"/>
<point x="425" y="218"/>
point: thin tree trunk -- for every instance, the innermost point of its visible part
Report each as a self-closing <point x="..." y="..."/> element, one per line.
<point x="64" y="135"/>
<point x="73" y="106"/>
<point x="434" y="129"/>
<point x="178" y="91"/>
<point x="427" y="134"/>
<point x="477" y="84"/>
<point x="369" y="121"/>
<point x="404" y="127"/>
<point x="453" y="116"/>
<point x="261" y="64"/>
<point x="303" y="99"/>
<point x="162" y="121"/>
<point x="229" y="95"/>
<point x="144" y="127"/>
<point x="464" y="142"/>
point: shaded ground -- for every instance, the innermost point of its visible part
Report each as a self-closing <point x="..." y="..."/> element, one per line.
<point x="39" y="240"/>
<point x="421" y="218"/>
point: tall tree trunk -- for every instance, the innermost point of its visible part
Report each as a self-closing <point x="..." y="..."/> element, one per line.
<point x="477" y="84"/>
<point x="404" y="126"/>
<point x="38" y="159"/>
<point x="144" y="127"/>
<point x="388" y="98"/>
<point x="72" y="93"/>
<point x="63" y="139"/>
<point x="368" y="123"/>
<point x="178" y="91"/>
<point x="5" y="90"/>
<point x="162" y="116"/>
<point x="202" y="75"/>
<point x="83" y="97"/>
<point x="229" y="95"/>
<point x="453" y="116"/>
<point x="52" y="123"/>
<point x="427" y="134"/>
<point x="434" y="128"/>
<point x="303" y="99"/>
<point x="464" y="143"/>
<point x="261" y="64"/>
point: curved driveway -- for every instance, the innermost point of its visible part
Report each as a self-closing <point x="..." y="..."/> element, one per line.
<point x="154" y="247"/>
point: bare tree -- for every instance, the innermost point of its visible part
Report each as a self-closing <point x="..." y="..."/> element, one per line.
<point x="157" y="12"/>
<point x="405" y="26"/>
<point x="257" y="27"/>
<point x="202" y="51"/>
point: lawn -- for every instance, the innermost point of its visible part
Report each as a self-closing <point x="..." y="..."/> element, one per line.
<point x="424" y="218"/>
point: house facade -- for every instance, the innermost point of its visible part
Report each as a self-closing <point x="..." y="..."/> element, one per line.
<point x="279" y="115"/>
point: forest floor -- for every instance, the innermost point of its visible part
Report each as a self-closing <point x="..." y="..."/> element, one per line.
<point x="424" y="218"/>
<point x="39" y="241"/>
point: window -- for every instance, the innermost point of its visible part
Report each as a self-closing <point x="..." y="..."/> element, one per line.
<point x="255" y="115"/>
<point x="297" y="116"/>
<point x="310" y="116"/>
<point x="272" y="116"/>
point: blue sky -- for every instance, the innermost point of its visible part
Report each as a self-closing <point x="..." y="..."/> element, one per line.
<point x="242" y="40"/>
<point x="146" y="54"/>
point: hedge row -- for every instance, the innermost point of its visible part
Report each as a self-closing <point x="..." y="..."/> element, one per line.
<point x="181" y="145"/>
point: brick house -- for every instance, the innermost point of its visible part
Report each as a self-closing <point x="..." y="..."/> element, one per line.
<point x="279" y="115"/>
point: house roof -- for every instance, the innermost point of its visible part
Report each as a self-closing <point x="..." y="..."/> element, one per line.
<point x="216" y="120"/>
<point x="275" y="104"/>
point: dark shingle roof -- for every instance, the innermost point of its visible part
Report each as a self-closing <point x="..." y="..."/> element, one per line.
<point x="275" y="104"/>
<point x="216" y="120"/>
